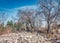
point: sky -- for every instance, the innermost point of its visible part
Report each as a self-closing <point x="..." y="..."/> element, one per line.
<point x="10" y="7"/>
<point x="8" y="4"/>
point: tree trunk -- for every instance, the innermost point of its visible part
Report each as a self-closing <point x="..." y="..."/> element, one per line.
<point x="48" y="28"/>
<point x="48" y="22"/>
<point x="27" y="27"/>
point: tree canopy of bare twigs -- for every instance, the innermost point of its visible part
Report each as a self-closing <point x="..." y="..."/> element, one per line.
<point x="50" y="10"/>
<point x="29" y="18"/>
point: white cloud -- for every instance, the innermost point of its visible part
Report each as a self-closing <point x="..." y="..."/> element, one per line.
<point x="24" y="7"/>
<point x="13" y="11"/>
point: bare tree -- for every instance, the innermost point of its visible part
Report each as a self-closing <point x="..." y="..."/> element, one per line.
<point x="26" y="18"/>
<point x="29" y="18"/>
<point x="50" y="10"/>
<point x="3" y="17"/>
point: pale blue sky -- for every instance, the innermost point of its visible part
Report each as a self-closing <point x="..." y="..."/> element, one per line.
<point x="10" y="7"/>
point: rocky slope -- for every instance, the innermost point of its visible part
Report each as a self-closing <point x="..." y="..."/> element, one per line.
<point x="23" y="37"/>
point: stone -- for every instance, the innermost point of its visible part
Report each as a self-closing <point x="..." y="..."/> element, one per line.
<point x="23" y="37"/>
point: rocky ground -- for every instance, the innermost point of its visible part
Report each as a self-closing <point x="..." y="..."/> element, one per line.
<point x="24" y="37"/>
